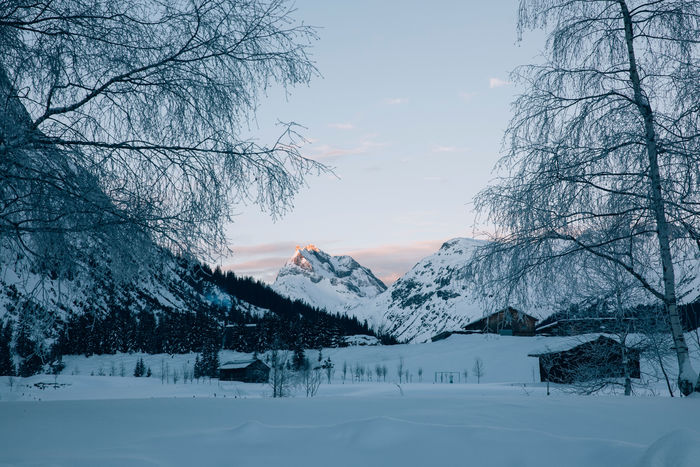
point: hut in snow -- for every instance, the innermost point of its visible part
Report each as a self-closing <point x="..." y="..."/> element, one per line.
<point x="248" y="371"/>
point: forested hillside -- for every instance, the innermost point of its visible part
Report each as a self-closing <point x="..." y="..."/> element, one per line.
<point x="183" y="307"/>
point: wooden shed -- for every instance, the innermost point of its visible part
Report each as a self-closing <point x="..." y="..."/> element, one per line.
<point x="598" y="358"/>
<point x="508" y="321"/>
<point x="247" y="371"/>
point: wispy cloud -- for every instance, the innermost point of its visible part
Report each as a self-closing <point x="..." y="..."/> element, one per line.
<point x="445" y="149"/>
<point x="342" y="126"/>
<point x="466" y="96"/>
<point x="261" y="261"/>
<point x="389" y="262"/>
<point x="286" y="248"/>
<point x="498" y="83"/>
<point x="327" y="151"/>
<point x="395" y="100"/>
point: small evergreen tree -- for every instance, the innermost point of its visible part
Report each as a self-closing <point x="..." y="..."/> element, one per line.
<point x="208" y="364"/>
<point x="30" y="366"/>
<point x="140" y="369"/>
<point x="299" y="360"/>
<point x="198" y="373"/>
<point x="212" y="361"/>
<point x="7" y="367"/>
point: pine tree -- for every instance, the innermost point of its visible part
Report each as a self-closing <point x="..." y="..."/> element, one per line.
<point x="198" y="373"/>
<point x="140" y="369"/>
<point x="299" y="359"/>
<point x="211" y="365"/>
<point x="7" y="367"/>
<point x="208" y="364"/>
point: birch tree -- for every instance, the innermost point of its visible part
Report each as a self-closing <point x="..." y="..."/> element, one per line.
<point x="135" y="113"/>
<point x="602" y="154"/>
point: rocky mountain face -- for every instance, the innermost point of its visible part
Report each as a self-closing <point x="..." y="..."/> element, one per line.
<point x="432" y="297"/>
<point x="335" y="283"/>
<point x="435" y="295"/>
<point x="96" y="283"/>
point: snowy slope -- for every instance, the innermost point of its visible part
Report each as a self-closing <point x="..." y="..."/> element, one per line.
<point x="435" y="296"/>
<point x="506" y="420"/>
<point x="335" y="283"/>
<point x="440" y="425"/>
<point x="432" y="297"/>
<point x="164" y="284"/>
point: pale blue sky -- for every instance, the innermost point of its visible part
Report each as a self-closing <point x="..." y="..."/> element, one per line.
<point x="410" y="112"/>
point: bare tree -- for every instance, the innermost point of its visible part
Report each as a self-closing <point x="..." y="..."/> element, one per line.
<point x="282" y="379"/>
<point x="478" y="369"/>
<point x="400" y="369"/>
<point x="608" y="290"/>
<point x="658" y="348"/>
<point x="311" y="380"/>
<point x="602" y="154"/>
<point x="130" y="117"/>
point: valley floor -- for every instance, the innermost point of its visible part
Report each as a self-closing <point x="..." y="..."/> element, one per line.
<point x="125" y="421"/>
<point x="362" y="424"/>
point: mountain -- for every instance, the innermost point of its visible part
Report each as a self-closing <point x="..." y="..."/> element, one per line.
<point x="334" y="283"/>
<point x="435" y="296"/>
<point x="165" y="304"/>
<point x="431" y="297"/>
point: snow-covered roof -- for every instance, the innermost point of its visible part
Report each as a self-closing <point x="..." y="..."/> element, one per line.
<point x="237" y="364"/>
<point x="581" y="320"/>
<point x="561" y="344"/>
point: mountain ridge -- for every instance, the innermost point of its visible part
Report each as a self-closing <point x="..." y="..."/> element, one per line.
<point x="336" y="283"/>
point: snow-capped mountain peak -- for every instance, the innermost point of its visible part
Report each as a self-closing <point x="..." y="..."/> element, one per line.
<point x="331" y="282"/>
<point x="431" y="297"/>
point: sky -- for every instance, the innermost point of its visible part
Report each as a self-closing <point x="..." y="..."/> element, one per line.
<point x="409" y="111"/>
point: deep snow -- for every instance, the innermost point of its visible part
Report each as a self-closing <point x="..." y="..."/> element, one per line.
<point x="507" y="421"/>
<point x="451" y="425"/>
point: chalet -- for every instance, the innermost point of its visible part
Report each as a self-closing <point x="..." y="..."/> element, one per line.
<point x="248" y="371"/>
<point x="587" y="359"/>
<point x="507" y="322"/>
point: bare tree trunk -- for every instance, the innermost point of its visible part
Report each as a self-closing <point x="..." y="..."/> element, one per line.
<point x="624" y="332"/>
<point x="687" y="378"/>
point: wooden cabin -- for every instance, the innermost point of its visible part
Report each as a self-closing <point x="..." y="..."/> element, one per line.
<point x="247" y="371"/>
<point x="585" y="361"/>
<point x="507" y="322"/>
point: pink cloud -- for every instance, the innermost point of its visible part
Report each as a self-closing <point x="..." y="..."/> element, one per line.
<point x="266" y="248"/>
<point x="390" y="262"/>
<point x="387" y="262"/>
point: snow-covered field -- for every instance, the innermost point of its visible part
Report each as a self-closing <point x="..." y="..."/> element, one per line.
<point x="506" y="421"/>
